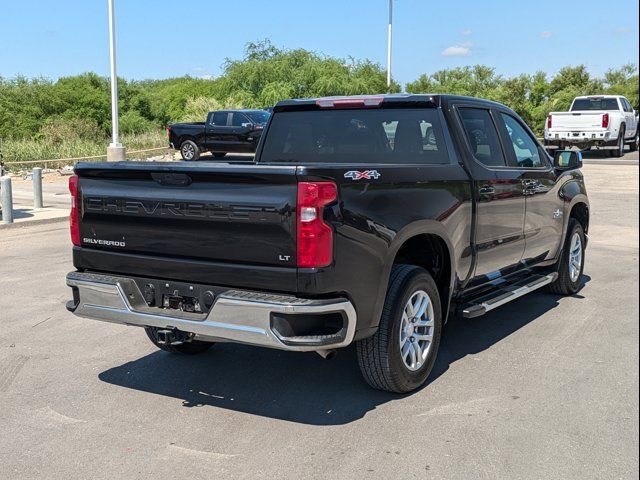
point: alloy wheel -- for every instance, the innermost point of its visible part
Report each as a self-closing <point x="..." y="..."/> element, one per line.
<point x="188" y="151"/>
<point x="575" y="258"/>
<point x="416" y="330"/>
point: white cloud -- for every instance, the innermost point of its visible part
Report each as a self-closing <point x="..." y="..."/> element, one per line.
<point x="466" y="44"/>
<point x="457" y="51"/>
<point x="546" y="34"/>
<point x="622" y="30"/>
<point x="466" y="32"/>
<point x="203" y="73"/>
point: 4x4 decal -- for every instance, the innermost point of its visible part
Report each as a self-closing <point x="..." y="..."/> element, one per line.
<point x="366" y="175"/>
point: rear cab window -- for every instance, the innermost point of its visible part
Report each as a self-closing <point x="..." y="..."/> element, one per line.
<point x="385" y="136"/>
<point x="596" y="103"/>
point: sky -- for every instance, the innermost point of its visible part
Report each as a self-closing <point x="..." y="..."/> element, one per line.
<point x="162" y="38"/>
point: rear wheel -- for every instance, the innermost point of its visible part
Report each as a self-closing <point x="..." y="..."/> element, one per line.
<point x="189" y="151"/>
<point x="571" y="265"/>
<point x="189" y="348"/>
<point x="401" y="355"/>
<point x="619" y="150"/>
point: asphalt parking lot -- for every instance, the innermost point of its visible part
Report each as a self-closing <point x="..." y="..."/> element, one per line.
<point x="545" y="387"/>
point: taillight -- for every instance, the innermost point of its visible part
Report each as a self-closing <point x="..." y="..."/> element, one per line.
<point x="549" y="121"/>
<point x="315" y="237"/>
<point x="74" y="216"/>
<point x="605" y="120"/>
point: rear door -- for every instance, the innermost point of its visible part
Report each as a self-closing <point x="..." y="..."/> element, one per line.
<point x="240" y="132"/>
<point x="529" y="163"/>
<point x="500" y="197"/>
<point x="218" y="129"/>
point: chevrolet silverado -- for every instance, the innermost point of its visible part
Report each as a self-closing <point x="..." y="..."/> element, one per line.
<point x="364" y="220"/>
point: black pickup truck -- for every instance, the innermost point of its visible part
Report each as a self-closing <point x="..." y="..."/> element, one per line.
<point x="225" y="131"/>
<point x="364" y="220"/>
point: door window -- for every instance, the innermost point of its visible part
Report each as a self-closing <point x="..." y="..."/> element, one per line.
<point x="239" y="120"/>
<point x="220" y="119"/>
<point x="524" y="146"/>
<point x="482" y="136"/>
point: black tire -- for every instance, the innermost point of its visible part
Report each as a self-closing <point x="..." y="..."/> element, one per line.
<point x="219" y="154"/>
<point x="190" y="348"/>
<point x="379" y="356"/>
<point x="189" y="151"/>
<point x="633" y="146"/>
<point x="564" y="285"/>
<point x="619" y="150"/>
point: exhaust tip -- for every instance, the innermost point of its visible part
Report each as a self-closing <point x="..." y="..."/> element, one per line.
<point x="327" y="354"/>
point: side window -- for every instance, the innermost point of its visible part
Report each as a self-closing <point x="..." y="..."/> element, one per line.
<point x="415" y="135"/>
<point x="626" y="105"/>
<point x="482" y="136"/>
<point x="238" y="119"/>
<point x="524" y="147"/>
<point x="220" y="119"/>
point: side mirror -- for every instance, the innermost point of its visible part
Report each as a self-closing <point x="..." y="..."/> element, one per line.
<point x="247" y="125"/>
<point x="567" y="159"/>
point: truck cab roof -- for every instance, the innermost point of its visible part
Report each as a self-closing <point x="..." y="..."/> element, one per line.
<point x="397" y="100"/>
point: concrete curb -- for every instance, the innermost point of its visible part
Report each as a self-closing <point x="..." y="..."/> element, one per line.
<point x="30" y="223"/>
<point x="612" y="162"/>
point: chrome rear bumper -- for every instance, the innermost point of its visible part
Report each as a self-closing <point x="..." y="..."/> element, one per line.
<point x="236" y="316"/>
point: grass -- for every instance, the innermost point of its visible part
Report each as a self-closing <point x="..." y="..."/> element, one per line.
<point x="32" y="149"/>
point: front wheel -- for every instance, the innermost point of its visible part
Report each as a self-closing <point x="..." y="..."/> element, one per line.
<point x="401" y="354"/>
<point x="571" y="265"/>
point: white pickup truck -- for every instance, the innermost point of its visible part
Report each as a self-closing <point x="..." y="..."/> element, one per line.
<point x="594" y="121"/>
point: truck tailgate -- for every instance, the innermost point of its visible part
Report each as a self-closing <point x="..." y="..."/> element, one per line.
<point x="578" y="121"/>
<point x="244" y="214"/>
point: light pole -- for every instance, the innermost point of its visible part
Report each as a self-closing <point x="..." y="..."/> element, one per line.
<point x="115" y="151"/>
<point x="389" y="40"/>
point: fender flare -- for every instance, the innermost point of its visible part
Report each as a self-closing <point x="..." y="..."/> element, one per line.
<point x="420" y="227"/>
<point x="184" y="138"/>
<point x="573" y="193"/>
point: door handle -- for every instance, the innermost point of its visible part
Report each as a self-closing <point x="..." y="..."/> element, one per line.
<point x="487" y="190"/>
<point x="530" y="186"/>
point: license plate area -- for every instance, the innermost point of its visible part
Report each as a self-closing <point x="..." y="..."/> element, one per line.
<point x="179" y="296"/>
<point x="182" y="303"/>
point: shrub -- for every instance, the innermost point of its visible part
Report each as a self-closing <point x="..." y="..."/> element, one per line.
<point x="57" y="131"/>
<point x="132" y="122"/>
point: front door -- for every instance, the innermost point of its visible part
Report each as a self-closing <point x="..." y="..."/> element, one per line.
<point x="501" y="202"/>
<point x="544" y="218"/>
<point x="630" y="118"/>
